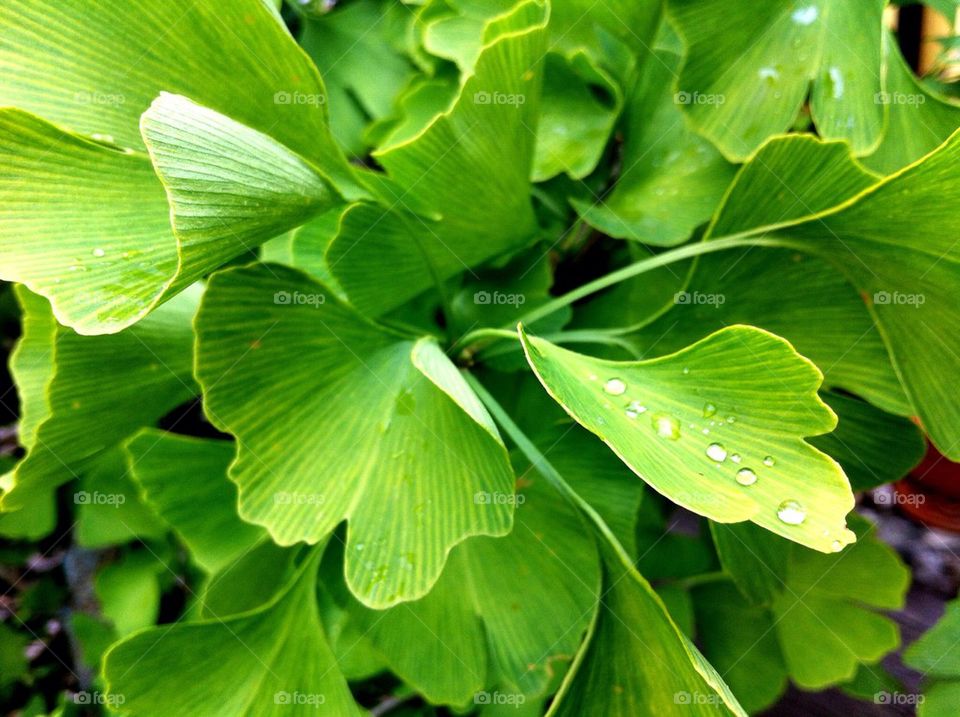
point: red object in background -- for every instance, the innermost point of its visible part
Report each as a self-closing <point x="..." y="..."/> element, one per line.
<point x="931" y="493"/>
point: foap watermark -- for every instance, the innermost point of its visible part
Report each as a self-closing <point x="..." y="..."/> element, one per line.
<point x="897" y="698"/>
<point x="105" y="99"/>
<point x="699" y="98"/>
<point x="299" y="699"/>
<point x="886" y="495"/>
<point x="484" y="498"/>
<point x="698" y="298"/>
<point x="499" y="698"/>
<point x="498" y="98"/>
<point x="898" y="98"/>
<point x="299" y="298"/>
<point x="696" y="698"/>
<point x="297" y="98"/>
<point x="294" y="498"/>
<point x="95" y="497"/>
<point x="498" y="298"/>
<point x="99" y="698"/>
<point x="898" y="298"/>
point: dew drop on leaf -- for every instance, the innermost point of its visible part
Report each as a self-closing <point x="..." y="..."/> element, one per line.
<point x="768" y="461"/>
<point x="745" y="476"/>
<point x="836" y="546"/>
<point x="709" y="410"/>
<point x="716" y="452"/>
<point x="666" y="426"/>
<point x="634" y="409"/>
<point x="735" y="458"/>
<point x="791" y="512"/>
<point x="98" y="252"/>
<point x="615" y="387"/>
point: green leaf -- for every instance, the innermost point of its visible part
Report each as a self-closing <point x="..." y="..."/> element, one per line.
<point x="345" y="44"/>
<point x="756" y="561"/>
<point x="74" y="408"/>
<point x="185" y="481"/>
<point x="749" y="69"/>
<point x="280" y="648"/>
<point x="128" y="592"/>
<point x="873" y="447"/>
<point x="740" y="640"/>
<point x="672" y="178"/>
<point x="918" y="120"/>
<point x="824" y="622"/>
<point x="937" y="652"/>
<point x="800" y="297"/>
<point x="383" y="432"/>
<point x="94" y="69"/>
<point x="471" y="166"/>
<point x="85" y="225"/>
<point x="653" y="415"/>
<point x="108" y="506"/>
<point x="822" y="626"/>
<point x="505" y="633"/>
<point x="229" y="186"/>
<point x="636" y="662"/>
<point x="894" y="241"/>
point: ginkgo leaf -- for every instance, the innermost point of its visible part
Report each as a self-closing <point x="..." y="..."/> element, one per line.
<point x="504" y="633"/>
<point x="819" y="628"/>
<point x="270" y="661"/>
<point x="98" y="225"/>
<point x="229" y="187"/>
<point x="893" y="240"/>
<point x="800" y="297"/>
<point x="872" y="446"/>
<point x="749" y="69"/>
<point x="613" y="673"/>
<point x="720" y="441"/>
<point x="78" y="415"/>
<point x="936" y="654"/>
<point x="108" y="506"/>
<point x="672" y="178"/>
<point x="345" y="44"/>
<point x="383" y="430"/>
<point x="185" y="481"/>
<point x="636" y="662"/>
<point x="94" y="69"/>
<point x="918" y="120"/>
<point x="471" y="165"/>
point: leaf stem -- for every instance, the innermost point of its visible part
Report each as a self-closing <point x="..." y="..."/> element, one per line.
<point x="649" y="264"/>
<point x="543" y="466"/>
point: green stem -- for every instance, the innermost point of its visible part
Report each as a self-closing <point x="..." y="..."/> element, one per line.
<point x="686" y="251"/>
<point x="703" y="579"/>
<point x="585" y="336"/>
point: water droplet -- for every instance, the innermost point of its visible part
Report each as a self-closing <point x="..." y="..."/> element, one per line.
<point x="745" y="476"/>
<point x="716" y="452"/>
<point x="359" y="547"/>
<point x="615" y="387"/>
<point x="98" y="252"/>
<point x="705" y="431"/>
<point x="634" y="409"/>
<point x="735" y="458"/>
<point x="791" y="512"/>
<point x="769" y="74"/>
<point x="709" y="410"/>
<point x="805" y="15"/>
<point x="686" y="370"/>
<point x="731" y="419"/>
<point x="768" y="461"/>
<point x="836" y="546"/>
<point x="836" y="82"/>
<point x="666" y="426"/>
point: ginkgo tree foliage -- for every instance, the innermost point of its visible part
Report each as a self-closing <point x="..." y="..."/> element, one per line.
<point x="371" y="345"/>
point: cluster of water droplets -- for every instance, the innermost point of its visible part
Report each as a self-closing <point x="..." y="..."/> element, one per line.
<point x="790" y="512"/>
